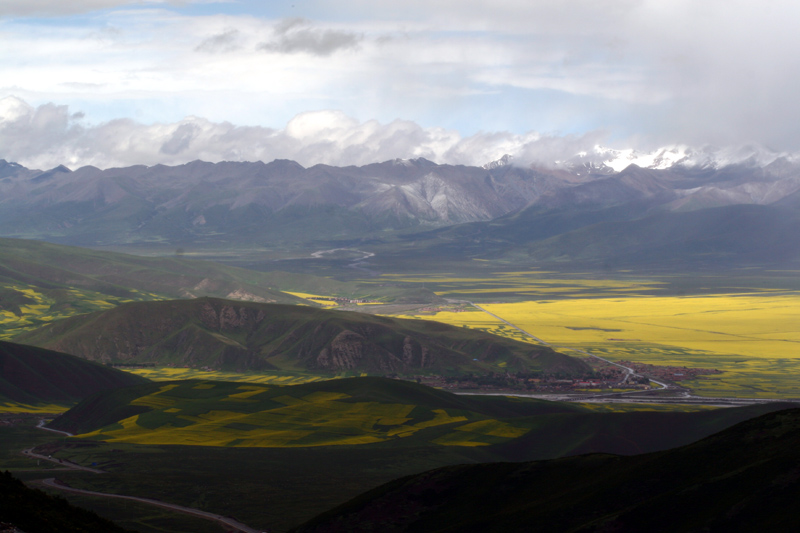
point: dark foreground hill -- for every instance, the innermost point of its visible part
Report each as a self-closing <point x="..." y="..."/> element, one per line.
<point x="34" y="375"/>
<point x="241" y="336"/>
<point x="34" y="511"/>
<point x="743" y="479"/>
<point x="276" y="456"/>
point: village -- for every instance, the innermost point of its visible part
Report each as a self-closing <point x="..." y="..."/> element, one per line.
<point x="607" y="377"/>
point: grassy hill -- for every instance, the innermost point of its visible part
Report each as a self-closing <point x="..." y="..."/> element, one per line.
<point x="740" y="480"/>
<point x="282" y="455"/>
<point x="30" y="375"/>
<point x="42" y="282"/>
<point x="374" y="411"/>
<point x="241" y="336"/>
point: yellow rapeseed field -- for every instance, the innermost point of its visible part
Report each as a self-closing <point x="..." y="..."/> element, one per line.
<point x="172" y="374"/>
<point x="309" y="297"/>
<point x="316" y="419"/>
<point x="753" y="337"/>
<point x="741" y="324"/>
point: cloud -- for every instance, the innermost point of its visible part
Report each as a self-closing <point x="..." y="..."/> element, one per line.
<point x="297" y="35"/>
<point x="227" y="41"/>
<point x="50" y="135"/>
<point x="51" y="8"/>
<point x="667" y="71"/>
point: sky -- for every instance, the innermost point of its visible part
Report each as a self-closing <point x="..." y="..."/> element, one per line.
<point x="120" y="82"/>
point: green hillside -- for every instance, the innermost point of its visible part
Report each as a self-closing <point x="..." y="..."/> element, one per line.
<point x="241" y="336"/>
<point x="743" y="479"/>
<point x="32" y="376"/>
<point x="41" y="282"/>
<point x="275" y="457"/>
<point x="375" y="411"/>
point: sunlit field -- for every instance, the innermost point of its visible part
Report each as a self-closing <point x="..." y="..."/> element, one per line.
<point x="42" y="409"/>
<point x="753" y="337"/>
<point x="172" y="374"/>
<point x="531" y="284"/>
<point x="250" y="415"/>
<point x="309" y="297"/>
<point x="37" y="307"/>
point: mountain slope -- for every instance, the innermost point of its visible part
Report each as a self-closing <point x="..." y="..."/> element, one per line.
<point x="199" y="201"/>
<point x="53" y="266"/>
<point x="281" y="203"/>
<point x="222" y="334"/>
<point x="41" y="282"/>
<point x="732" y="235"/>
<point x="742" y="479"/>
<point x="32" y="375"/>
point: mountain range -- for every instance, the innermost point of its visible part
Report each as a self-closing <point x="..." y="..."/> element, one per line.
<point x="282" y="204"/>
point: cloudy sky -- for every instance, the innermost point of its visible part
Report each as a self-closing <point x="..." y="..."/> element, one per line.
<point x="120" y="82"/>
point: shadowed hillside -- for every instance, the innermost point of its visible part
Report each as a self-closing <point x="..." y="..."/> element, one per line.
<point x="33" y="510"/>
<point x="740" y="480"/>
<point x="241" y="336"/>
<point x="32" y="375"/>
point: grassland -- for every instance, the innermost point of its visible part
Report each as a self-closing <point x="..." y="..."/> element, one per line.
<point x="750" y="333"/>
<point x="273" y="378"/>
<point x="394" y="429"/>
<point x="752" y="338"/>
<point x="39" y="409"/>
<point x="310" y="298"/>
<point x="207" y="413"/>
<point x="525" y="285"/>
<point x="27" y="307"/>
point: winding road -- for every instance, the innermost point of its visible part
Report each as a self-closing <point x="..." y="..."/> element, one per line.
<point x="66" y="464"/>
<point x="230" y="522"/>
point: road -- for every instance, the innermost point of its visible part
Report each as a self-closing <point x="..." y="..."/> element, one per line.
<point x="229" y="522"/>
<point x="52" y="483"/>
<point x="61" y="462"/>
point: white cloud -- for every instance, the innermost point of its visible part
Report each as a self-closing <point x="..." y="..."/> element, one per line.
<point x="49" y="135"/>
<point x="52" y="8"/>
<point x="672" y="71"/>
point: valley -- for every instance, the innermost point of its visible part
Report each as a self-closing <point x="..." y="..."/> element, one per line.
<point x="394" y="319"/>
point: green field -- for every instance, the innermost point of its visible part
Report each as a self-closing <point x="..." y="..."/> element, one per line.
<point x="209" y="413"/>
<point x="27" y="307"/>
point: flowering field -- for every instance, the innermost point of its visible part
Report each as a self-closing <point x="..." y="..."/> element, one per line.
<point x="206" y="413"/>
<point x="753" y="337"/>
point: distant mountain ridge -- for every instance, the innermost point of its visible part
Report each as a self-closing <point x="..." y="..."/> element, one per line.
<point x="283" y="202"/>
